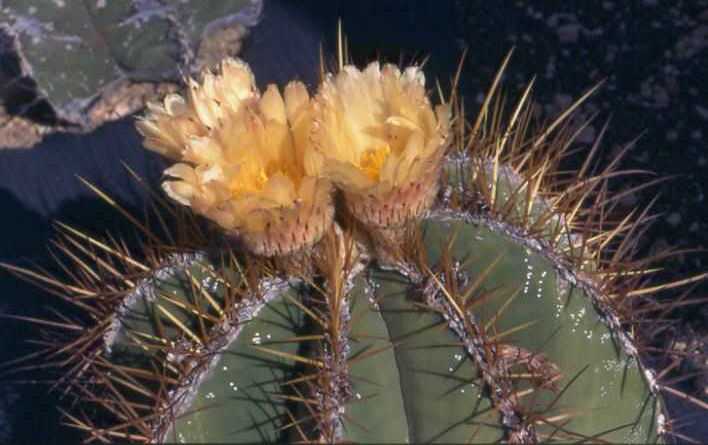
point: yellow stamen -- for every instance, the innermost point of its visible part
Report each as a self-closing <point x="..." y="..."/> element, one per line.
<point x="371" y="160"/>
<point x="245" y="184"/>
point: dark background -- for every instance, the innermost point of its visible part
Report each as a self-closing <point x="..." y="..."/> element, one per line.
<point x="652" y="53"/>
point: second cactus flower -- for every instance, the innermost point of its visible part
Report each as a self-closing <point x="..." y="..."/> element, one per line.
<point x="378" y="138"/>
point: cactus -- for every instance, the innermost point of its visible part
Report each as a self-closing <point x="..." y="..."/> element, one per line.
<point x="96" y="61"/>
<point x="489" y="295"/>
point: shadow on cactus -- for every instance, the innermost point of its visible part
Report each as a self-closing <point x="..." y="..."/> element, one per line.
<point x="369" y="268"/>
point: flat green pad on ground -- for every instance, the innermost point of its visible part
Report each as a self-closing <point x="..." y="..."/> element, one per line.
<point x="75" y="50"/>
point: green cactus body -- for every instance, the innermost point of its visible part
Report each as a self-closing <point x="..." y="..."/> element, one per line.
<point x="237" y="400"/>
<point x="412" y="373"/>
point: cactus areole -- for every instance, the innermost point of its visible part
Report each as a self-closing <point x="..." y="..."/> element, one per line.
<point x="367" y="266"/>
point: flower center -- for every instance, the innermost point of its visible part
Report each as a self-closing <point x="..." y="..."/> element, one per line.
<point x="248" y="183"/>
<point x="371" y="160"/>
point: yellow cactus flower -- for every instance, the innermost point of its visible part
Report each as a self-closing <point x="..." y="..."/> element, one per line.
<point x="380" y="141"/>
<point x="245" y="159"/>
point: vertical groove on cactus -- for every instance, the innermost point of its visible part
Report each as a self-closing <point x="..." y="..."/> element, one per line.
<point x="443" y="394"/>
<point x="376" y="410"/>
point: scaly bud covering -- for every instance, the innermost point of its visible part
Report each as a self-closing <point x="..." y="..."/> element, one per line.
<point x="380" y="141"/>
<point x="245" y="159"/>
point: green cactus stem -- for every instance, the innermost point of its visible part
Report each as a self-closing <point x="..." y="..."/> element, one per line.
<point x="416" y="363"/>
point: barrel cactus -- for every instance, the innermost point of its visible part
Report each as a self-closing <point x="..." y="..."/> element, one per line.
<point x="364" y="267"/>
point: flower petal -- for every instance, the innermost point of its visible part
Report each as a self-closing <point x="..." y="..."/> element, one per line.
<point x="346" y="175"/>
<point x="273" y="106"/>
<point x="180" y="191"/>
<point x="280" y="189"/>
<point x="184" y="172"/>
